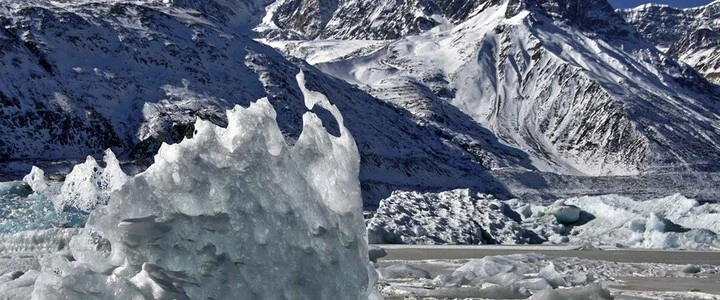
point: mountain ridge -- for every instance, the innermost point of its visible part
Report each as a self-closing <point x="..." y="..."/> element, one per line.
<point x="690" y="34"/>
<point x="482" y="101"/>
<point x="133" y="75"/>
<point x="571" y="83"/>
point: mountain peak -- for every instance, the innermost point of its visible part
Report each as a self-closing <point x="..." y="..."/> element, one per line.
<point x="592" y="16"/>
<point x="238" y="13"/>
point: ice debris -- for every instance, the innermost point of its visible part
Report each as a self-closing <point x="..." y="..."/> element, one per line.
<point x="21" y="209"/>
<point x="376" y="253"/>
<point x="521" y="276"/>
<point x="232" y="211"/>
<point x="461" y="217"/>
<point x="85" y="187"/>
<point x="402" y="271"/>
<point x="565" y="214"/>
<point x="670" y="222"/>
<point x="453" y="217"/>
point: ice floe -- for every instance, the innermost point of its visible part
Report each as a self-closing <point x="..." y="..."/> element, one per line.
<point x="535" y="276"/>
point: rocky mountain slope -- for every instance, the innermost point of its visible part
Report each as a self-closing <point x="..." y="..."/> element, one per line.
<point x="483" y="98"/>
<point x="79" y="77"/>
<point x="569" y="82"/>
<point x="692" y="34"/>
<point x="358" y="19"/>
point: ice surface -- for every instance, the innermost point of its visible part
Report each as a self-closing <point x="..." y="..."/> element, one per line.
<point x="232" y="211"/>
<point x="460" y="217"/>
<point x="670" y="222"/>
<point x="21" y="209"/>
<point x="519" y="276"/>
<point x="590" y="292"/>
<point x="402" y="271"/>
<point x="516" y="276"/>
<point x="36" y="242"/>
<point x="87" y="186"/>
<point x="453" y="217"/>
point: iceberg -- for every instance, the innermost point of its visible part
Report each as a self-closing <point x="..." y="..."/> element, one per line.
<point x="232" y="211"/>
<point x="85" y="187"/>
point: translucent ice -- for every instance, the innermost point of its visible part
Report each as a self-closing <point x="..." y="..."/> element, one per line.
<point x="232" y="211"/>
<point x="87" y="186"/>
<point x="565" y="214"/>
<point x="21" y="209"/>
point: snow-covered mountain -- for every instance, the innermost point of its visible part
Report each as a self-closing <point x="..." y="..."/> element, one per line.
<point x="569" y="82"/>
<point x="360" y="19"/>
<point x="78" y="77"/>
<point x="691" y="34"/>
<point x="490" y="94"/>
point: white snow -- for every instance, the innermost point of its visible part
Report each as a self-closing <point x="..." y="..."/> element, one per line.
<point x="575" y="102"/>
<point x="232" y="211"/>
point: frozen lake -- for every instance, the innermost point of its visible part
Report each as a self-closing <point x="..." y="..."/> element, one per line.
<point x="678" y="257"/>
<point x="627" y="273"/>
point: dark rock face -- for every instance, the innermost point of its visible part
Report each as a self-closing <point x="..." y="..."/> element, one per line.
<point x="662" y="25"/>
<point x="692" y="35"/>
<point x="76" y="82"/>
<point x="701" y="49"/>
<point x="79" y="79"/>
<point x="359" y="19"/>
<point x="307" y="17"/>
<point x="703" y="38"/>
<point x="592" y="16"/>
<point x="665" y="25"/>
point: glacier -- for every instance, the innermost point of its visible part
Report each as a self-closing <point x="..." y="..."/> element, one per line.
<point x="220" y="214"/>
<point x="452" y="217"/>
<point x="463" y="217"/>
